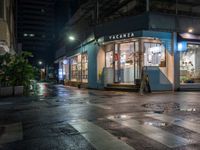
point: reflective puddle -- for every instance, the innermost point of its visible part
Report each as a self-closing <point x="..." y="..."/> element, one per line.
<point x="171" y="107"/>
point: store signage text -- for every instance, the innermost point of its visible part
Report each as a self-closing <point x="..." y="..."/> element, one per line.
<point x="121" y="36"/>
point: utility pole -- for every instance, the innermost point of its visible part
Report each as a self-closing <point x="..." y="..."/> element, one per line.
<point x="97" y="11"/>
<point x="147" y="5"/>
<point x="176" y="7"/>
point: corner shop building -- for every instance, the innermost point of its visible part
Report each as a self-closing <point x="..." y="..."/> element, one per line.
<point x="116" y="52"/>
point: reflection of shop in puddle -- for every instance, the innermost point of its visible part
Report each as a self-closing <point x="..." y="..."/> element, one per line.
<point x="123" y="116"/>
<point x="42" y="89"/>
<point x="188" y="109"/>
<point x="155" y="123"/>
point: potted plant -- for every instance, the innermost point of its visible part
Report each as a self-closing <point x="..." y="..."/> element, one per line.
<point x="15" y="74"/>
<point x="22" y="72"/>
<point x="5" y="75"/>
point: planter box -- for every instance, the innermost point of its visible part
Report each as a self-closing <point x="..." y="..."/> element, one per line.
<point x="6" y="91"/>
<point x="18" y="90"/>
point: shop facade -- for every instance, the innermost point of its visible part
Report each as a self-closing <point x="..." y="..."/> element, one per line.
<point x="119" y="52"/>
<point x="125" y="55"/>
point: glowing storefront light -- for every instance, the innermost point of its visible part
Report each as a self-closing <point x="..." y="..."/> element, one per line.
<point x="65" y="61"/>
<point x="182" y="46"/>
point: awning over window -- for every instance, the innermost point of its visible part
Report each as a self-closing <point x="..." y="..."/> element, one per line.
<point x="189" y="36"/>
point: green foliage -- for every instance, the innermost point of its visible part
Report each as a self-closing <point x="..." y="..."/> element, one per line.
<point x="5" y="63"/>
<point x="15" y="69"/>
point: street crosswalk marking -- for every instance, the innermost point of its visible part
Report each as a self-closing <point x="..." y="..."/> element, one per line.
<point x="99" y="105"/>
<point x="157" y="134"/>
<point x="185" y="124"/>
<point x="86" y="105"/>
<point x="98" y="137"/>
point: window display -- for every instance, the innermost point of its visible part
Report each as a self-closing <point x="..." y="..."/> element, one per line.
<point x="127" y="66"/>
<point x="84" y="67"/>
<point x="76" y="68"/>
<point x="61" y="70"/>
<point x="190" y="64"/>
<point x="154" y="54"/>
<point x="66" y="69"/>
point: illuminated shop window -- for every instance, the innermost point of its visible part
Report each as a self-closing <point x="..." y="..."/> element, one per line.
<point x="109" y="59"/>
<point x="190" y="64"/>
<point x="123" y="57"/>
<point x="84" y="67"/>
<point x="66" y="69"/>
<point x="76" y="68"/>
<point x="154" y="55"/>
<point x="126" y="70"/>
<point x="60" y="71"/>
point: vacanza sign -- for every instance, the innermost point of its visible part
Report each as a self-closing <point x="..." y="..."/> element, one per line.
<point x="120" y="36"/>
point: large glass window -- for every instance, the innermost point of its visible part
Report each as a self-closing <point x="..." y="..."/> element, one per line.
<point x="190" y="64"/>
<point x="126" y="62"/>
<point x="66" y="69"/>
<point x="154" y="55"/>
<point x="60" y="70"/>
<point x="79" y="68"/>
<point x="84" y="67"/>
<point x="76" y="68"/>
<point x="123" y="57"/>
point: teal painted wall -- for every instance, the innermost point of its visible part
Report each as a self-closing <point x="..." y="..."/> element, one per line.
<point x="158" y="81"/>
<point x="92" y="50"/>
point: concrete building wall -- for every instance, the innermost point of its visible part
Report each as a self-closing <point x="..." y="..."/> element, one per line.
<point x="92" y="51"/>
<point x="4" y="30"/>
<point x="7" y="36"/>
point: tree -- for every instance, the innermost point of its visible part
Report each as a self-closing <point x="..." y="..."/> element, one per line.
<point x="15" y="70"/>
<point x="21" y="70"/>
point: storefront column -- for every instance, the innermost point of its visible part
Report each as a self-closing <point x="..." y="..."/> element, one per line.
<point x="176" y="84"/>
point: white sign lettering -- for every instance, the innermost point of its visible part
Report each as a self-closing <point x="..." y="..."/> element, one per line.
<point x="121" y="36"/>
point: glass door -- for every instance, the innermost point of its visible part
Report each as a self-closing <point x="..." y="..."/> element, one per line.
<point x="117" y="64"/>
<point x="126" y="62"/>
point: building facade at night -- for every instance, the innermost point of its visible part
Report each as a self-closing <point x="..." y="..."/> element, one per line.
<point x="7" y="33"/>
<point x="35" y="27"/>
<point x="165" y="45"/>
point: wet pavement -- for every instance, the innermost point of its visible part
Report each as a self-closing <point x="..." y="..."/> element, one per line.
<point x="67" y="118"/>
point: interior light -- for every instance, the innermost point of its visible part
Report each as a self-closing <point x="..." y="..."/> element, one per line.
<point x="65" y="61"/>
<point x="182" y="46"/>
<point x="71" y="38"/>
<point x="32" y="35"/>
<point x="190" y="30"/>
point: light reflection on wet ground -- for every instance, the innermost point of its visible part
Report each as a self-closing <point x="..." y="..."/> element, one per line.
<point x="48" y="113"/>
<point x="172" y="107"/>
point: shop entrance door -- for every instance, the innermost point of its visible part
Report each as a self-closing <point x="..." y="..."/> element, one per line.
<point x="126" y="62"/>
